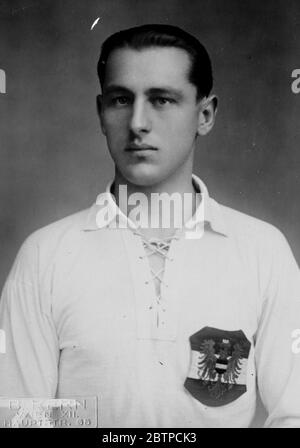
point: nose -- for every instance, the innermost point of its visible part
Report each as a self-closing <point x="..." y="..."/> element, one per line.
<point x="140" y="120"/>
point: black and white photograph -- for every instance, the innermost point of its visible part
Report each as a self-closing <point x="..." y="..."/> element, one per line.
<point x="149" y="216"/>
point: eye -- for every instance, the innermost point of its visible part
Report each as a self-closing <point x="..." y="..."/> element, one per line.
<point x="162" y="101"/>
<point x="120" y="100"/>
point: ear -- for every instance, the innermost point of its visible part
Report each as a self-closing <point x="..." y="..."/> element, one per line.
<point x="100" y="112"/>
<point x="207" y="114"/>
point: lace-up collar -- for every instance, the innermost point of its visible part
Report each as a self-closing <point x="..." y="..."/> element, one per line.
<point x="160" y="247"/>
<point x="208" y="211"/>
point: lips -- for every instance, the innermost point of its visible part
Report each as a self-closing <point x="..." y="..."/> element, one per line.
<point x="142" y="147"/>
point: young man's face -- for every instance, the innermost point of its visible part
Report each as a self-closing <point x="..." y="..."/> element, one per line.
<point x="149" y="113"/>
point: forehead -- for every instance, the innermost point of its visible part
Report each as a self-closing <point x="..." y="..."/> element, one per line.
<point x="149" y="67"/>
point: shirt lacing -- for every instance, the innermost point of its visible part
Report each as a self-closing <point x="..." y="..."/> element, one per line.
<point x="156" y="246"/>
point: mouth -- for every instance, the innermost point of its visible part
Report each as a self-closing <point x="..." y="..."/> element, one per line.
<point x="139" y="148"/>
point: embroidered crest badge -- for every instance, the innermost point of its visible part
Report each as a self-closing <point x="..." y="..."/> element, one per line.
<point x="218" y="369"/>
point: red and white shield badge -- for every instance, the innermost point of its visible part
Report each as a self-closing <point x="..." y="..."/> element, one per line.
<point x="218" y="369"/>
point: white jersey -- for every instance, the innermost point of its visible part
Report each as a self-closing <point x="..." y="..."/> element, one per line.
<point x="83" y="316"/>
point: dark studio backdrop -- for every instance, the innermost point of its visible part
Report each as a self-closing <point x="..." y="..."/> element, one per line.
<point x="53" y="158"/>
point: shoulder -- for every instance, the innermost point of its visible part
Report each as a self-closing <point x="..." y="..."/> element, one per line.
<point x="254" y="239"/>
<point x="263" y="248"/>
<point x="45" y="241"/>
<point x="72" y="224"/>
<point x="246" y="227"/>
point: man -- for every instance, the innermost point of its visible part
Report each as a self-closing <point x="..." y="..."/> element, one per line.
<point x="169" y="326"/>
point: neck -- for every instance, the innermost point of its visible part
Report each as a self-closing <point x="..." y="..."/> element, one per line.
<point x="153" y="201"/>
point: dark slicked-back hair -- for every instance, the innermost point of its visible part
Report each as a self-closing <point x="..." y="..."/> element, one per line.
<point x="156" y="35"/>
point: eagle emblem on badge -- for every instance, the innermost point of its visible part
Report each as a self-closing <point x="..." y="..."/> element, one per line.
<point x="218" y="366"/>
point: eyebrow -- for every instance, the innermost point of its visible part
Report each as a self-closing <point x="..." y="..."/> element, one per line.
<point x="115" y="88"/>
<point x="166" y="91"/>
<point x="163" y="90"/>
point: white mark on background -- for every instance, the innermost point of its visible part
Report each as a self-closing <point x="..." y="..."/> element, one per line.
<point x="95" y="23"/>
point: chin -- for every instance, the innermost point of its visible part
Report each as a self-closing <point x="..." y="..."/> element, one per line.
<point x="143" y="176"/>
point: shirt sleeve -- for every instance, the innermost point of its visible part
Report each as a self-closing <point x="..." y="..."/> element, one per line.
<point x="277" y="357"/>
<point x="29" y="364"/>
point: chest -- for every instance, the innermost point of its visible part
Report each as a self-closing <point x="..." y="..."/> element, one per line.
<point x="120" y="287"/>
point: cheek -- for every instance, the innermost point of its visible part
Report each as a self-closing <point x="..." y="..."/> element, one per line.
<point x="180" y="132"/>
<point x="115" y="123"/>
<point x="115" y="133"/>
<point x="181" y="123"/>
